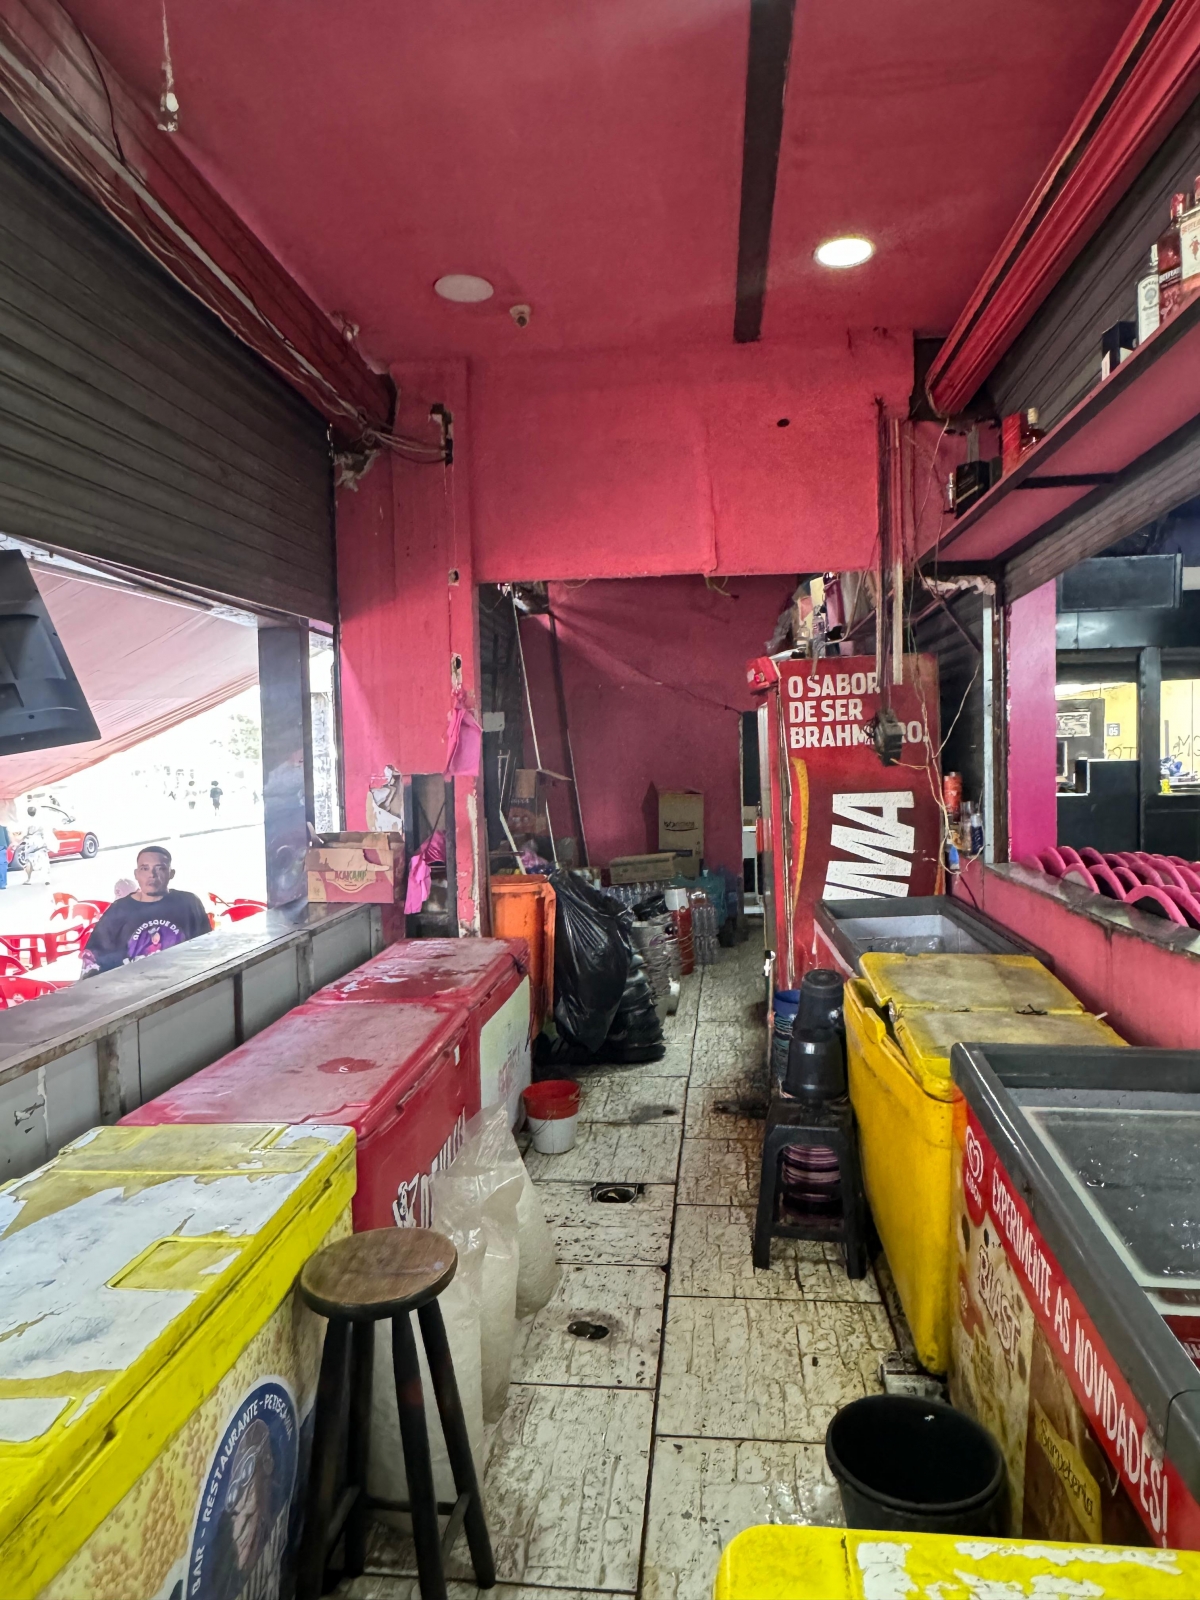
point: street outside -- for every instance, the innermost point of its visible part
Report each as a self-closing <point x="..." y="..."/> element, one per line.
<point x="222" y="859"/>
<point x="193" y="788"/>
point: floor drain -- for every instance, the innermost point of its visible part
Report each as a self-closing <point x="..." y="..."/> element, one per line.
<point x="617" y="1194"/>
<point x="588" y="1330"/>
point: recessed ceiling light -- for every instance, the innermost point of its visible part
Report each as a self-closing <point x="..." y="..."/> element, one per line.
<point x="848" y="252"/>
<point x="464" y="288"/>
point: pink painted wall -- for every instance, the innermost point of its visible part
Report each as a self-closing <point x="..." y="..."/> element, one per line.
<point x="1032" y="759"/>
<point x="601" y="467"/>
<point x="406" y="629"/>
<point x="654" y="677"/>
<point x="1149" y="991"/>
<point x="620" y="465"/>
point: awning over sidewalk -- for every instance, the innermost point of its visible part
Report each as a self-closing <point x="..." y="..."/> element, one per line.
<point x="145" y="664"/>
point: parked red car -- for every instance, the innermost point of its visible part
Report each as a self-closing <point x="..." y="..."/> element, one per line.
<point x="64" y="838"/>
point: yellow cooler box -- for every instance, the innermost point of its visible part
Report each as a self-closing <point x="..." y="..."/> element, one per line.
<point x="772" y="1563"/>
<point x="157" y="1369"/>
<point x="965" y="983"/>
<point x="903" y="1098"/>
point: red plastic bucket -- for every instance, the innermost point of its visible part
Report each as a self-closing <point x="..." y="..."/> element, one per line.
<point x="549" y="1101"/>
<point x="553" y="1112"/>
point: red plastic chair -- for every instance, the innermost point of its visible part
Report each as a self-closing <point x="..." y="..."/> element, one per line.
<point x="72" y="940"/>
<point x="1069" y="854"/>
<point x="1092" y="858"/>
<point x="15" y="991"/>
<point x="1050" y="861"/>
<point x="32" y="950"/>
<point x="89" y="911"/>
<point x="10" y="967"/>
<point x="237" y="910"/>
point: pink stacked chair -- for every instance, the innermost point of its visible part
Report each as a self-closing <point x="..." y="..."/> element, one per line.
<point x="1162" y="886"/>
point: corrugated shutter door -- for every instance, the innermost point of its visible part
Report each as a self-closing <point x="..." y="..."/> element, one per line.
<point x="134" y="427"/>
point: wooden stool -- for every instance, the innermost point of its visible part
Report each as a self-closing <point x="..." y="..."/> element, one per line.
<point x="355" y="1283"/>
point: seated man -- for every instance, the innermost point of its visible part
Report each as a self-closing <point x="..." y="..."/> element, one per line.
<point x="154" y="917"/>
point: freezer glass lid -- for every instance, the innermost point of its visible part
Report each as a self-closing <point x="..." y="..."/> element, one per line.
<point x="1138" y="1171"/>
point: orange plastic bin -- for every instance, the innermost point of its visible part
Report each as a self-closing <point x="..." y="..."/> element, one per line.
<point x="523" y="908"/>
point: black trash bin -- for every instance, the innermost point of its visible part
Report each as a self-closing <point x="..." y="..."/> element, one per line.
<point x="916" y="1466"/>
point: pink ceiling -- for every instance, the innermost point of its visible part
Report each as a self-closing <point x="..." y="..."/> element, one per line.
<point x="144" y="664"/>
<point x="586" y="158"/>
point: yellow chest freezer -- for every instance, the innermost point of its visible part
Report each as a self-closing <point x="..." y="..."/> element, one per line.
<point x="157" y="1369"/>
<point x="773" y="1563"/>
<point x="964" y="983"/>
<point x="904" y="1100"/>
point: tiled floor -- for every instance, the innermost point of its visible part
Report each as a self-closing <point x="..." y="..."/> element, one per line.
<point x="623" y="1465"/>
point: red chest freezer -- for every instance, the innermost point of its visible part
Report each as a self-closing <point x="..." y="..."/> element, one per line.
<point x="486" y="978"/>
<point x="399" y="1076"/>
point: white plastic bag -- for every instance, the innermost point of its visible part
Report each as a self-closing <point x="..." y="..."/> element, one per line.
<point x="480" y="1190"/>
<point x="537" y="1270"/>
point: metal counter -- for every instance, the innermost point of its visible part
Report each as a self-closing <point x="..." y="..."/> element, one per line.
<point x="95" y="1051"/>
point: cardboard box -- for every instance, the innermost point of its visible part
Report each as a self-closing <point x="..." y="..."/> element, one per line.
<point x="357" y="868"/>
<point x="658" y="868"/>
<point x="681" y="827"/>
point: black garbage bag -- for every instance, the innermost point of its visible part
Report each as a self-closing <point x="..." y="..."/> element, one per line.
<point x="636" y="1033"/>
<point x="592" y="958"/>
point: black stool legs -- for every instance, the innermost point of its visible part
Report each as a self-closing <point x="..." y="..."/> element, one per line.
<point x="417" y="1466"/>
<point x="458" y="1443"/>
<point x="338" y="1500"/>
<point x="791" y="1123"/>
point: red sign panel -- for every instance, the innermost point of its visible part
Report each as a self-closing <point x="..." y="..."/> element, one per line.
<point x="853" y="828"/>
<point x="1013" y="1294"/>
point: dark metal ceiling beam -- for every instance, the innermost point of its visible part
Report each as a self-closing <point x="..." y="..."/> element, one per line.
<point x="766" y="83"/>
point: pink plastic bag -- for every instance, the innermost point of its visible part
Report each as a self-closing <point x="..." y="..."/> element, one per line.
<point x="464" y="740"/>
<point x="419" y="874"/>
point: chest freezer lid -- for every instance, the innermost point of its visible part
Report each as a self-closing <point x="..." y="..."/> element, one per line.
<point x="1003" y="1085"/>
<point x="136" y="1266"/>
<point x="965" y="983"/>
<point x="928" y="1037"/>
<point x="318" y="1063"/>
<point x="855" y="926"/>
<point x="434" y="970"/>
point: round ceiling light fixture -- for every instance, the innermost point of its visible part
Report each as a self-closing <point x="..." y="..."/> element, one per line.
<point x="463" y="288"/>
<point x="850" y="251"/>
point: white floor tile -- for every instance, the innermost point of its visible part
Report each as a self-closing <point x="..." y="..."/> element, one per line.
<point x="766" y="1369"/>
<point x="628" y="1301"/>
<point x="705" y="1119"/>
<point x="711" y="1257"/>
<point x="565" y="1487"/>
<point x="704" y="1491"/>
<point x="384" y="1588"/>
<point x="633" y="1097"/>
<point x="716" y="1172"/>
<point x="634" y="1234"/>
<point x="647" y="1154"/>
<point x="564" y="1490"/>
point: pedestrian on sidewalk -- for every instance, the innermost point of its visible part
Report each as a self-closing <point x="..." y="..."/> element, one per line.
<point x="214" y="794"/>
<point x="35" y="850"/>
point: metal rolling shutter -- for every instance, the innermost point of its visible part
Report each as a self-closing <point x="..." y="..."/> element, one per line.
<point x="134" y="428"/>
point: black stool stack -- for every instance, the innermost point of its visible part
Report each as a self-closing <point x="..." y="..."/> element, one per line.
<point x="810" y="1124"/>
<point x="357" y="1282"/>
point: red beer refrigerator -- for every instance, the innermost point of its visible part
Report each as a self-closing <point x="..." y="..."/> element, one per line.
<point x="488" y="979"/>
<point x="837" y="823"/>
<point x="398" y="1075"/>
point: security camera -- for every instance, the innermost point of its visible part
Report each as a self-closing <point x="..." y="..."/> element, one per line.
<point x="521" y="315"/>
